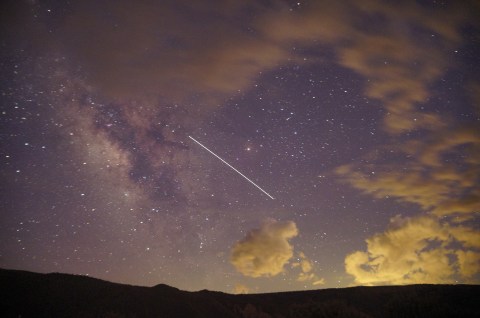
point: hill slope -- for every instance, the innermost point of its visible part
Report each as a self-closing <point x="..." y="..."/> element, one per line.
<point x="27" y="294"/>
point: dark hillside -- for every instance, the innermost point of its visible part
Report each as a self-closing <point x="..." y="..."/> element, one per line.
<point x="26" y="294"/>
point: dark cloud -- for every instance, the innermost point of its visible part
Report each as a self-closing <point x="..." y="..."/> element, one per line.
<point x="178" y="50"/>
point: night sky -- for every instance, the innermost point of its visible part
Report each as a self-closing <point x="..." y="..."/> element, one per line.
<point x="360" y="118"/>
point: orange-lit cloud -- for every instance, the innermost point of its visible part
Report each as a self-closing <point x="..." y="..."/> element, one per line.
<point x="399" y="66"/>
<point x="468" y="262"/>
<point x="264" y="251"/>
<point x="415" y="251"/>
<point x="445" y="187"/>
<point x="307" y="271"/>
<point x="187" y="52"/>
<point x="241" y="289"/>
<point x="399" y="59"/>
<point x="439" y="174"/>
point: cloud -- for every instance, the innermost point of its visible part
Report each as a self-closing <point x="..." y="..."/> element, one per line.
<point x="183" y="54"/>
<point x="182" y="51"/>
<point x="161" y="67"/>
<point x="241" y="289"/>
<point x="440" y="174"/>
<point x="265" y="251"/>
<point x="306" y="270"/>
<point x="189" y="52"/>
<point x="406" y="52"/>
<point x="319" y="282"/>
<point x="415" y="250"/>
<point x="401" y="56"/>
<point x="158" y="68"/>
<point x="468" y="262"/>
<point x="401" y="61"/>
<point x="305" y="263"/>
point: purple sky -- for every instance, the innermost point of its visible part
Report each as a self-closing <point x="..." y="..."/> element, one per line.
<point x="361" y="119"/>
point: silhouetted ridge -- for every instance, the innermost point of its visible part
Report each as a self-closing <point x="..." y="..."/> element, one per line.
<point x="27" y="294"/>
<point x="164" y="287"/>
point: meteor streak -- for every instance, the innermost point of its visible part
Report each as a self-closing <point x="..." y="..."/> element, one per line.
<point x="198" y="142"/>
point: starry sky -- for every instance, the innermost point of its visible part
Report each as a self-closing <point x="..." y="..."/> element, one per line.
<point x="360" y="118"/>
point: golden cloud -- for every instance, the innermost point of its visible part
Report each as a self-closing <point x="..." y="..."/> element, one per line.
<point x="445" y="187"/>
<point x="306" y="270"/>
<point x="469" y="263"/>
<point x="441" y="176"/>
<point x="305" y="264"/>
<point x="416" y="251"/>
<point x="400" y="59"/>
<point x="319" y="282"/>
<point x="241" y="289"/>
<point x="264" y="251"/>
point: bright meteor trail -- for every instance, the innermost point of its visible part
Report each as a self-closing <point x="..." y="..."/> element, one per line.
<point x="232" y="167"/>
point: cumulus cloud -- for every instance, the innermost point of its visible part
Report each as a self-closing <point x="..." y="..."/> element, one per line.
<point x="440" y="245"/>
<point x="265" y="251"/>
<point x="439" y="174"/>
<point x="415" y="251"/>
<point x="306" y="270"/>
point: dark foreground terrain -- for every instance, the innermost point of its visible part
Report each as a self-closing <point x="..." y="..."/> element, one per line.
<point x="26" y="294"/>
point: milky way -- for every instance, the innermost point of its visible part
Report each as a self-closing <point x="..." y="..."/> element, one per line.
<point x="360" y="118"/>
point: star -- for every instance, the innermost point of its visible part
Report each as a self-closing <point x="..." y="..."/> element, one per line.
<point x="357" y="128"/>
